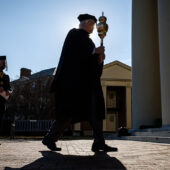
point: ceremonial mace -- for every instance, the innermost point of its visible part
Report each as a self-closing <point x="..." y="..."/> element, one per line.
<point x="102" y="27"/>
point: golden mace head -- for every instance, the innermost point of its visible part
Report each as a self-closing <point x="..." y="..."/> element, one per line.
<point x="102" y="27"/>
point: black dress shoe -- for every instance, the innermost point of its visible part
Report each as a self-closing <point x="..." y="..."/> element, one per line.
<point x="102" y="147"/>
<point x="50" y="145"/>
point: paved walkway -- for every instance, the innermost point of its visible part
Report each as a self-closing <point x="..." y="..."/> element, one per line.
<point x="76" y="154"/>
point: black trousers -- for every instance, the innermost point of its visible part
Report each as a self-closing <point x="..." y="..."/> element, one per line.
<point x="62" y="123"/>
<point x="97" y="124"/>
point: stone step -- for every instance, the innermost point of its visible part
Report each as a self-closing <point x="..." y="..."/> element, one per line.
<point x="156" y="133"/>
<point x="157" y="139"/>
<point x="151" y="130"/>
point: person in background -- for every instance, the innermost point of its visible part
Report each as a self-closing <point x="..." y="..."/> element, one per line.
<point x="5" y="88"/>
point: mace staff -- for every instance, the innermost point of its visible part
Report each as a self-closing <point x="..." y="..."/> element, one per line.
<point x="102" y="27"/>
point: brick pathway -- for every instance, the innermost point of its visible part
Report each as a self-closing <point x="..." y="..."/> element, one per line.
<point x="76" y="154"/>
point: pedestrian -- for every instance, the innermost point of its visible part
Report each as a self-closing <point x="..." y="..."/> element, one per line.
<point x="77" y="86"/>
<point x="5" y="88"/>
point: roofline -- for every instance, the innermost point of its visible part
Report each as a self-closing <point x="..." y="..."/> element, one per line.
<point x="116" y="62"/>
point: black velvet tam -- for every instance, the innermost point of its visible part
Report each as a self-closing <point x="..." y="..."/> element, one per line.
<point x="83" y="17"/>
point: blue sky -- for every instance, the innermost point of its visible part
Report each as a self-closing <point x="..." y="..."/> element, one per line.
<point x="32" y="32"/>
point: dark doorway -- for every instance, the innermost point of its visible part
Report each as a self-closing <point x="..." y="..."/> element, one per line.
<point x="116" y="104"/>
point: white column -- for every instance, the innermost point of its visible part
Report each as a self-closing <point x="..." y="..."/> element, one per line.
<point x="128" y="107"/>
<point x="146" y="103"/>
<point x="164" y="44"/>
<point x="104" y="88"/>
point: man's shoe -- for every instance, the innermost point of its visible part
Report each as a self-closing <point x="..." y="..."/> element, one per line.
<point x="103" y="147"/>
<point x="50" y="145"/>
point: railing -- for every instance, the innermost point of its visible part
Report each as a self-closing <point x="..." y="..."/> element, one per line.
<point x="32" y="125"/>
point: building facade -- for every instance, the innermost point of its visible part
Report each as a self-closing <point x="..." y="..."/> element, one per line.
<point x="116" y="83"/>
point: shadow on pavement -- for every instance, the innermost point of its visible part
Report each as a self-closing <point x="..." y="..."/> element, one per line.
<point x="54" y="160"/>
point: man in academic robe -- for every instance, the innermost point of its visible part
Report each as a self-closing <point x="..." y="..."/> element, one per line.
<point x="77" y="86"/>
<point x="5" y="88"/>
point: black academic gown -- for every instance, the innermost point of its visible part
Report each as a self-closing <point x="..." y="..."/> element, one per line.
<point x="77" y="77"/>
